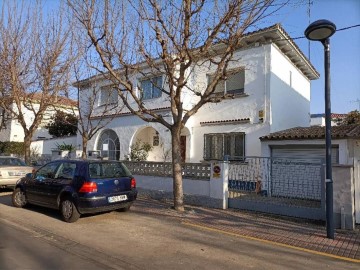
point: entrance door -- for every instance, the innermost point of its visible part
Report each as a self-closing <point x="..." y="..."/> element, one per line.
<point x="183" y="148"/>
<point x="109" y="145"/>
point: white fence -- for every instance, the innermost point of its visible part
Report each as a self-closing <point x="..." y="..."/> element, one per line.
<point x="216" y="182"/>
<point x="44" y="147"/>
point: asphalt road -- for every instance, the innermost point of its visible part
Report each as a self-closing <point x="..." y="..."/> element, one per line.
<point x="26" y="249"/>
<point x="140" y="240"/>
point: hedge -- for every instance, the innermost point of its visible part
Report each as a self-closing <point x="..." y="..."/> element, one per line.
<point x="16" y="148"/>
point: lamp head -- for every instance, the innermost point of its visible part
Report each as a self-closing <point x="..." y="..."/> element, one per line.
<point x="320" y="30"/>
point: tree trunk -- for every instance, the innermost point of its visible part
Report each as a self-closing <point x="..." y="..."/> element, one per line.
<point x="27" y="144"/>
<point x="177" y="169"/>
<point x="84" y="147"/>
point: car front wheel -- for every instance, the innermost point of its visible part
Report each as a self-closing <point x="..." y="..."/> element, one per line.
<point x="19" y="198"/>
<point x="69" y="211"/>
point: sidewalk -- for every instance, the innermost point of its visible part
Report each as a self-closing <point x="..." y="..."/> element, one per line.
<point x="287" y="232"/>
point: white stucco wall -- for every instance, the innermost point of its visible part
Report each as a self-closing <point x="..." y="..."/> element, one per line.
<point x="94" y="89"/>
<point x="191" y="187"/>
<point x="16" y="132"/>
<point x="256" y="69"/>
<point x="289" y="94"/>
<point x="128" y="128"/>
<point x="45" y="146"/>
<point x="317" y="121"/>
<point x="254" y="60"/>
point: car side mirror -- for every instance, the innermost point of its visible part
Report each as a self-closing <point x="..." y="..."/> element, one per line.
<point x="30" y="175"/>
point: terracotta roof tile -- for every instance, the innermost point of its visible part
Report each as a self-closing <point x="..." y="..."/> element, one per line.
<point x="314" y="132"/>
<point x="59" y="100"/>
<point x="230" y="121"/>
<point x="127" y="113"/>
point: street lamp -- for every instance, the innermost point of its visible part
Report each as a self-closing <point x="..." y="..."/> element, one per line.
<point x="322" y="30"/>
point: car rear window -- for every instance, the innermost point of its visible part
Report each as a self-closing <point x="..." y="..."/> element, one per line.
<point x="108" y="170"/>
<point x="11" y="162"/>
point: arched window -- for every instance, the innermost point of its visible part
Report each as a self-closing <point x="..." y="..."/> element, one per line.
<point x="109" y="145"/>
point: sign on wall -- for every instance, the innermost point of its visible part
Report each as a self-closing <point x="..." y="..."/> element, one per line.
<point x="105" y="147"/>
<point x="216" y="171"/>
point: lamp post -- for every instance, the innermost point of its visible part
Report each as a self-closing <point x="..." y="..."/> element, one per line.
<point x="322" y="30"/>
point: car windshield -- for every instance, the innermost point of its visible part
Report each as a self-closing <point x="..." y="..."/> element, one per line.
<point x="11" y="162"/>
<point x="108" y="170"/>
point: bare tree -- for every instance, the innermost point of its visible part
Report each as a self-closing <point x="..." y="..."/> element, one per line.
<point x="174" y="38"/>
<point x="351" y="118"/>
<point x="36" y="56"/>
<point x="90" y="119"/>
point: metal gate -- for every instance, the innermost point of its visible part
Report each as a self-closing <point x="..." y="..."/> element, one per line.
<point x="284" y="186"/>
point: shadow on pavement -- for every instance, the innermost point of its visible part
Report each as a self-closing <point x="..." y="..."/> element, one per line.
<point x="5" y="199"/>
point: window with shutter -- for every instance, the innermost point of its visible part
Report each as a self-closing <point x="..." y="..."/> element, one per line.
<point x="217" y="145"/>
<point x="234" y="84"/>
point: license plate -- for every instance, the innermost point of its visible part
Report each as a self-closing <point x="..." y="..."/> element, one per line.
<point x="118" y="198"/>
<point x="16" y="173"/>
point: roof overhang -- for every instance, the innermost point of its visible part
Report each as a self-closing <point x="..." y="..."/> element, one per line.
<point x="277" y="35"/>
<point x="274" y="34"/>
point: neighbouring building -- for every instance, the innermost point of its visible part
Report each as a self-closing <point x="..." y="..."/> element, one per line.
<point x="270" y="83"/>
<point x="13" y="131"/>
<point x="318" y="119"/>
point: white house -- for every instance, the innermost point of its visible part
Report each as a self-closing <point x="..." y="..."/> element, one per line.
<point x="13" y="131"/>
<point x="270" y="82"/>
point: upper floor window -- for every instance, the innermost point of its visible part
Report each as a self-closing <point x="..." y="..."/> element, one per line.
<point x="151" y="88"/>
<point x="108" y="95"/>
<point x="234" y="84"/>
<point x="217" y="145"/>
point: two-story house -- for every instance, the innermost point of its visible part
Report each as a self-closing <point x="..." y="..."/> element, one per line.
<point x="269" y="82"/>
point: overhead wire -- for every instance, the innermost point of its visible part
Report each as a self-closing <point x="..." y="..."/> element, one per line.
<point x="337" y="30"/>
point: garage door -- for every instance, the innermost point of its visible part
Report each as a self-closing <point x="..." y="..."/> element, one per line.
<point x="306" y="153"/>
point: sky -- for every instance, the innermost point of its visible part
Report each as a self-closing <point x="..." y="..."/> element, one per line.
<point x="344" y="50"/>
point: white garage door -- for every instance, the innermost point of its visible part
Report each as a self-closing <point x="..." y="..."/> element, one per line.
<point x="306" y="153"/>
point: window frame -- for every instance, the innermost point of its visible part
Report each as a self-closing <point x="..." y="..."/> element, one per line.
<point x="153" y="87"/>
<point x="227" y="143"/>
<point x="238" y="91"/>
<point x="109" y="95"/>
<point x="66" y="165"/>
<point x="100" y="170"/>
<point x="44" y="172"/>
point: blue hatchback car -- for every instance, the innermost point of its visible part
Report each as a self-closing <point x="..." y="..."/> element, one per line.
<point x="78" y="187"/>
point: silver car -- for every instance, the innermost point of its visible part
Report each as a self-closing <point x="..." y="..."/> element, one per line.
<point x="11" y="170"/>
